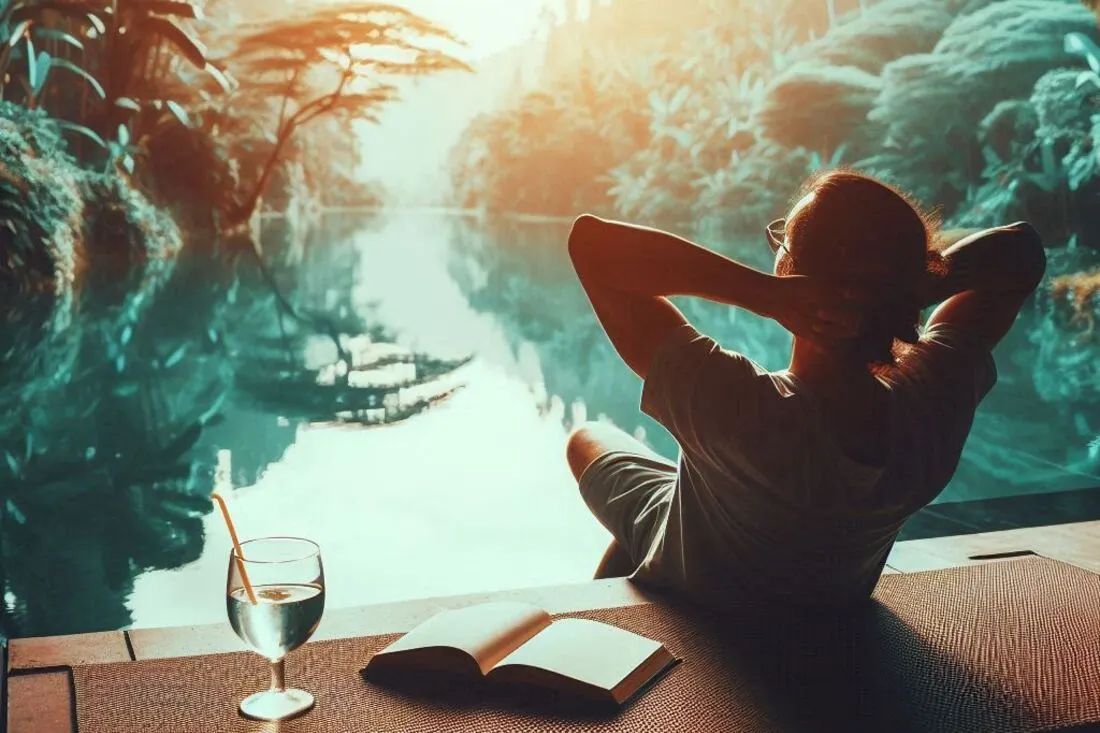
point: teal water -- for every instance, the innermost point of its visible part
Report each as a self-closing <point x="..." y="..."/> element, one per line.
<point x="471" y="496"/>
<point x="474" y="495"/>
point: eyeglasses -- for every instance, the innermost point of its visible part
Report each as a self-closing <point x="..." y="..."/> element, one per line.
<point x="777" y="236"/>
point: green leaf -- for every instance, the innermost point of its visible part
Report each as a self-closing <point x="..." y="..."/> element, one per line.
<point x="13" y="464"/>
<point x="223" y="79"/>
<point x="838" y="155"/>
<point x="54" y="34"/>
<point x="123" y="136"/>
<point x="681" y="136"/>
<point x="175" y="357"/>
<point x="96" y="23"/>
<point x="15" y="512"/>
<point x="656" y="104"/>
<point x="180" y="113"/>
<point x="190" y="48"/>
<point x="1079" y="44"/>
<point x="82" y="130"/>
<point x="42" y="66"/>
<point x="17" y="32"/>
<point x="678" y="100"/>
<point x="91" y="80"/>
<point x="128" y="103"/>
<point x="33" y="67"/>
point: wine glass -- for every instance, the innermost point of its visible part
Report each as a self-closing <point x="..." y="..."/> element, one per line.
<point x="275" y="597"/>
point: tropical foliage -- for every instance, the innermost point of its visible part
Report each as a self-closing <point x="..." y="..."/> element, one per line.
<point x="738" y="113"/>
<point x="339" y="61"/>
<point x="630" y="134"/>
<point x="122" y="52"/>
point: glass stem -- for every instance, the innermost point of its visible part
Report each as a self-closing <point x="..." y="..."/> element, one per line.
<point x="278" y="675"/>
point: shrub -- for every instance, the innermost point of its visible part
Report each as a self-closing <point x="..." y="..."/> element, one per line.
<point x="932" y="104"/>
<point x="820" y="108"/>
<point x="884" y="32"/>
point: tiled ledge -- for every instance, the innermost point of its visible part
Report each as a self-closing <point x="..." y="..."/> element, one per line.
<point x="1077" y="544"/>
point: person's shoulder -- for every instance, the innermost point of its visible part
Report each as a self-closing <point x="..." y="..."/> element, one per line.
<point x="946" y="358"/>
<point x="947" y="335"/>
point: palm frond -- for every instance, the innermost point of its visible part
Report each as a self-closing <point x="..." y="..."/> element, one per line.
<point x="188" y="46"/>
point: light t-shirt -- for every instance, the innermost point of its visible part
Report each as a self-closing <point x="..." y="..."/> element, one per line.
<point x="766" y="503"/>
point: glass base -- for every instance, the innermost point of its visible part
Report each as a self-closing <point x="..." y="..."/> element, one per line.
<point x="273" y="705"/>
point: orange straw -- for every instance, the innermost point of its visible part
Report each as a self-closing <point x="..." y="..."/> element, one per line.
<point x="238" y="553"/>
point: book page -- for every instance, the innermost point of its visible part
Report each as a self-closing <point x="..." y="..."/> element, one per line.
<point x="589" y="652"/>
<point x="487" y="632"/>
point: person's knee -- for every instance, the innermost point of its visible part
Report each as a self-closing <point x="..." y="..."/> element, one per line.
<point x="581" y="449"/>
<point x="591" y="440"/>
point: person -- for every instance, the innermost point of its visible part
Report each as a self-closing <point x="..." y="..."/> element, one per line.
<point x="793" y="485"/>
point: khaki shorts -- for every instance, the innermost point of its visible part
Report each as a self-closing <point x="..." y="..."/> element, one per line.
<point x="630" y="494"/>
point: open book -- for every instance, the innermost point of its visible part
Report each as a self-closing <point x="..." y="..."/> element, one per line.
<point x="520" y="645"/>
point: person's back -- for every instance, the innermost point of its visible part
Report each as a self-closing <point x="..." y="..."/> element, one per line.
<point x="795" y="484"/>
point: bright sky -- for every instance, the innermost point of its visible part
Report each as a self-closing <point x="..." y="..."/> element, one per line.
<point x="487" y="26"/>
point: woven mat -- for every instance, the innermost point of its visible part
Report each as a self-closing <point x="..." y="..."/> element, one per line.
<point x="1006" y="646"/>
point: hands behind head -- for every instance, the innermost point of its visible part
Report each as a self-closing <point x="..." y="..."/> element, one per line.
<point x="818" y="310"/>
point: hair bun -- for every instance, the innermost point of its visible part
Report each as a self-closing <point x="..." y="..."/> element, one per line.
<point x="935" y="264"/>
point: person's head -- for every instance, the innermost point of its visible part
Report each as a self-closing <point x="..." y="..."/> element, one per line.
<point x="859" y="232"/>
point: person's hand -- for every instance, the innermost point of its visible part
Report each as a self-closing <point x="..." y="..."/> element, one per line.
<point x="816" y="310"/>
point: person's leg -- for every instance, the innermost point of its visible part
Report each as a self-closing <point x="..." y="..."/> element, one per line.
<point x="615" y="563"/>
<point x="592" y="440"/>
<point x="643" y="484"/>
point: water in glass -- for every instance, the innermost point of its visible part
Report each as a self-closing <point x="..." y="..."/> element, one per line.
<point x="280" y="614"/>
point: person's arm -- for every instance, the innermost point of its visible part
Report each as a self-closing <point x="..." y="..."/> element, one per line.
<point x="989" y="277"/>
<point x="648" y="262"/>
<point x="629" y="272"/>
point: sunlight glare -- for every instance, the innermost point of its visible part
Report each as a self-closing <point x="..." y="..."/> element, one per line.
<point x="486" y="26"/>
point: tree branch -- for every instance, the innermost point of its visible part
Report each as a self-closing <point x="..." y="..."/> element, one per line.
<point x="286" y="130"/>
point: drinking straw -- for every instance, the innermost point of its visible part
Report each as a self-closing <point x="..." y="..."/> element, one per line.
<point x="223" y="459"/>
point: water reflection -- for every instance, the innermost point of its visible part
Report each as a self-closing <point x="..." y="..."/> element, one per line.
<point x="473" y="496"/>
<point x="121" y="386"/>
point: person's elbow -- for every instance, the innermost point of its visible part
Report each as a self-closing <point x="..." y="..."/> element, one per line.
<point x="1028" y="255"/>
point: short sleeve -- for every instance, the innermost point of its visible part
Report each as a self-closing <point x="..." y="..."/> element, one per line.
<point x="950" y="361"/>
<point x="944" y="379"/>
<point x="694" y="388"/>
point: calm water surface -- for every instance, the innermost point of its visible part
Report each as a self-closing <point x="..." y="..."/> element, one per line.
<point x="471" y="496"/>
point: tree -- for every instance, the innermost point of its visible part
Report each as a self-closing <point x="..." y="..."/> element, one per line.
<point x="356" y="51"/>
